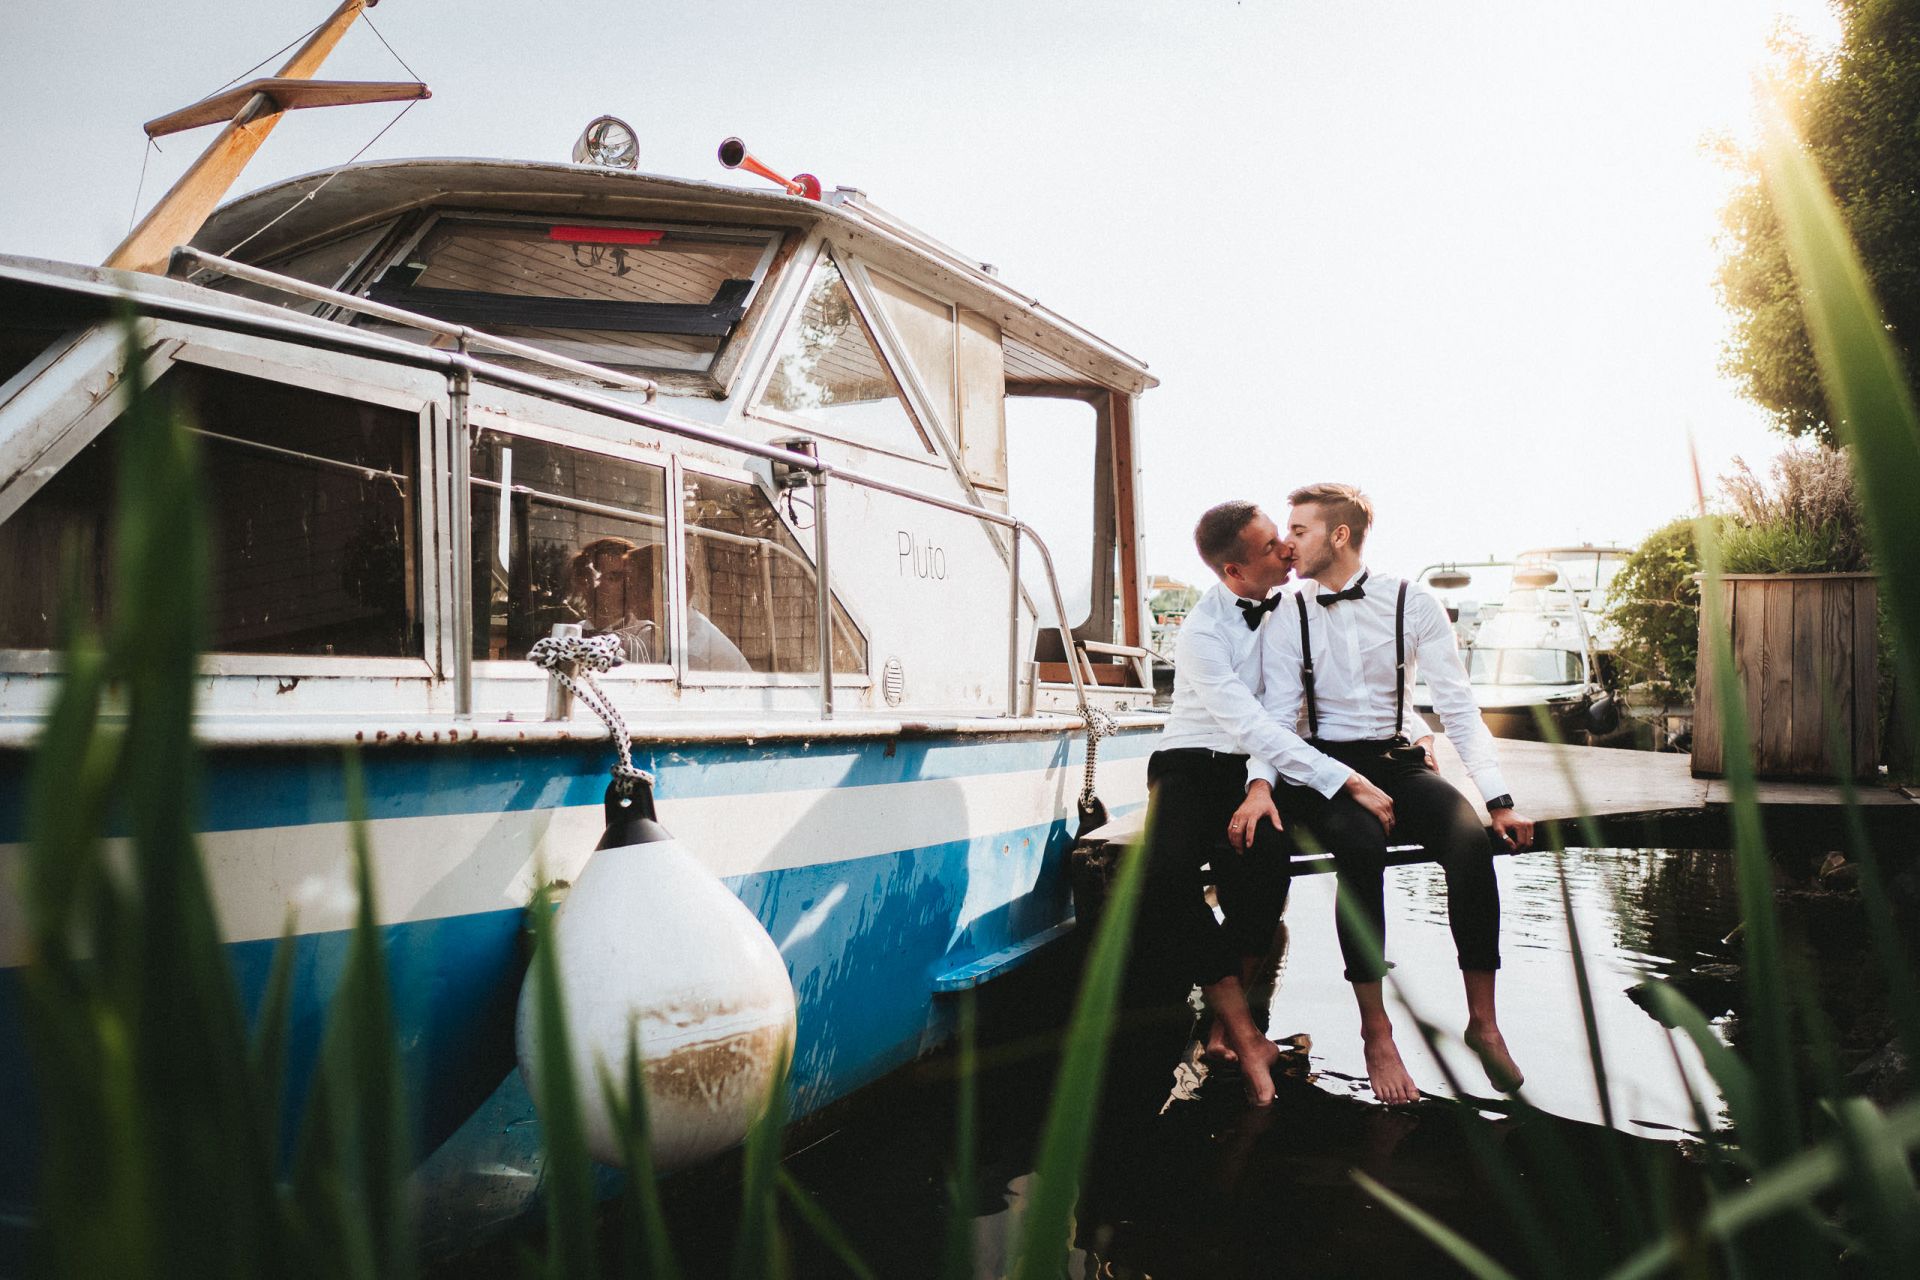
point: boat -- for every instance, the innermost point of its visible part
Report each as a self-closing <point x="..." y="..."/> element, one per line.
<point x="777" y="444"/>
<point x="1535" y="642"/>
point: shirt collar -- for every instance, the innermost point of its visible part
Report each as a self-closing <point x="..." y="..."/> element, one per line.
<point x="1313" y="587"/>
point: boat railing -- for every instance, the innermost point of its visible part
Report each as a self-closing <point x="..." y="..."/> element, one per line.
<point x="462" y="367"/>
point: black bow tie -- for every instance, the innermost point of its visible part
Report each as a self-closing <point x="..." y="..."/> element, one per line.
<point x="1353" y="592"/>
<point x="1253" y="612"/>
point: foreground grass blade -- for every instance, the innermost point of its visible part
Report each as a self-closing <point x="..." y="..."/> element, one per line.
<point x="1443" y="1237"/>
<point x="1860" y="372"/>
<point x="959" y="1261"/>
<point x="1889" y="942"/>
<point x="1625" y="1190"/>
<point x="1882" y="1188"/>
<point x="1068" y="1134"/>
<point x="759" y="1253"/>
<point x="647" y="1246"/>
<point x="206" y="1131"/>
<point x="568" y="1172"/>
<point x="1787" y="1188"/>
<point x="73" y="769"/>
<point x="1729" y="1072"/>
<point x="1775" y="1123"/>
<point x="271" y="1024"/>
<point x="822" y="1226"/>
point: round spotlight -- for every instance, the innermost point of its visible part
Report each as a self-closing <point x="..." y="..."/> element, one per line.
<point x="609" y="142"/>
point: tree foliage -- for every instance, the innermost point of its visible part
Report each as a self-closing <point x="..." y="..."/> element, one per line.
<point x="1858" y="107"/>
<point x="1655" y="602"/>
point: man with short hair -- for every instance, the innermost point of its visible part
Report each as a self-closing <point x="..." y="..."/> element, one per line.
<point x="1347" y="650"/>
<point x="1198" y="778"/>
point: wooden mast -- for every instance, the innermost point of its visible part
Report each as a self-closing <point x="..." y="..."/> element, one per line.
<point x="178" y="216"/>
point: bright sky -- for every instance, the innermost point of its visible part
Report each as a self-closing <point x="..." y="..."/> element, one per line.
<point x="1458" y="253"/>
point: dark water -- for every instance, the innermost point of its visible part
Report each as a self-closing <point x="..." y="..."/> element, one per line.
<point x="1188" y="1181"/>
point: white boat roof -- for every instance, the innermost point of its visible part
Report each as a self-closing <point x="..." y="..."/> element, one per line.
<point x="1041" y="345"/>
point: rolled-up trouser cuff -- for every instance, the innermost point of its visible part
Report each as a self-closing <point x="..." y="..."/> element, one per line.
<point x="1479" y="964"/>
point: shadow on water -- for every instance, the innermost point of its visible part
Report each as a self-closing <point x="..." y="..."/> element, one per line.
<point x="1194" y="1183"/>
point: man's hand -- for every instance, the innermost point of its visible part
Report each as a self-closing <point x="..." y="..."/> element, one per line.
<point x="1372" y="799"/>
<point x="1256" y="808"/>
<point x="1426" y="745"/>
<point x="1515" y="831"/>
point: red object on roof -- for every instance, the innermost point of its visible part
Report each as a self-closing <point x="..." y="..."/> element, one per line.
<point x="604" y="235"/>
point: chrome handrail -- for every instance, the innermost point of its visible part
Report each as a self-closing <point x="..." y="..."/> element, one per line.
<point x="461" y="367"/>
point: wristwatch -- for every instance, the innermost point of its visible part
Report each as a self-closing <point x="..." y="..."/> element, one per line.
<point x="1499" y="802"/>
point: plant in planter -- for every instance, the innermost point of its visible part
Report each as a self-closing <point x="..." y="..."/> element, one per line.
<point x="1802" y="605"/>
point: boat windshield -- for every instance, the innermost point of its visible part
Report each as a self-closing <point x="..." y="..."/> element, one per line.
<point x="1523" y="666"/>
<point x="1584" y="570"/>
<point x="656" y="297"/>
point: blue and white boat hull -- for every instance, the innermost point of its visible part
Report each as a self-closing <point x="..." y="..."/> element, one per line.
<point x="876" y="864"/>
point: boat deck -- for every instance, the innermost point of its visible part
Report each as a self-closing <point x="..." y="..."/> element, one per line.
<point x="1638" y="799"/>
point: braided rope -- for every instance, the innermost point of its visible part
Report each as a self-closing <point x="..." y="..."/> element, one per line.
<point x="1099" y="725"/>
<point x="586" y="655"/>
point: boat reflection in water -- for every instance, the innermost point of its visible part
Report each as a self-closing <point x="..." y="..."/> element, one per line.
<point x="1535" y="642"/>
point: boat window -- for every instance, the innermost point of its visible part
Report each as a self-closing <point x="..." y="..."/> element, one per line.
<point x="20" y="344"/>
<point x="311" y="501"/>
<point x="926" y="330"/>
<point x="563" y="535"/>
<point x="658" y="298"/>
<point x="751" y="594"/>
<point x="326" y="265"/>
<point x="983" y="396"/>
<point x="1052" y="455"/>
<point x="829" y="373"/>
<point x="1524" y="666"/>
<point x="958" y="359"/>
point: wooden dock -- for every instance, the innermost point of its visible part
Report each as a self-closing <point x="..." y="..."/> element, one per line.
<point x="1642" y="800"/>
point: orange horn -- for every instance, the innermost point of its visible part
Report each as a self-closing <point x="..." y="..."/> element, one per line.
<point x="734" y="155"/>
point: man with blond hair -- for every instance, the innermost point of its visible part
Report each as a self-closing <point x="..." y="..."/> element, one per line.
<point x="1345" y="653"/>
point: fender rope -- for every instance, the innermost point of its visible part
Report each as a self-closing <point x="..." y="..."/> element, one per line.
<point x="588" y="654"/>
<point x="1099" y="725"/>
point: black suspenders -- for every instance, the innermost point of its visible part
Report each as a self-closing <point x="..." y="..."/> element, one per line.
<point x="1399" y="666"/>
<point x="1306" y="669"/>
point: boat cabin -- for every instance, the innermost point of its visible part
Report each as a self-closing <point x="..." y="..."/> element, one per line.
<point x="597" y="427"/>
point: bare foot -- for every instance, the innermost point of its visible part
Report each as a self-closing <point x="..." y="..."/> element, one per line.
<point x="1385" y="1072"/>
<point x="1500" y="1067"/>
<point x="1257" y="1056"/>
<point x="1218" y="1050"/>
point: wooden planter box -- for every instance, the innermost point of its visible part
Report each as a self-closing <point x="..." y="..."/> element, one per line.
<point x="1805" y="646"/>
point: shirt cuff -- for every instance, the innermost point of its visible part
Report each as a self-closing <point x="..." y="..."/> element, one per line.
<point x="1260" y="771"/>
<point x="1330" y="776"/>
<point x="1490" y="782"/>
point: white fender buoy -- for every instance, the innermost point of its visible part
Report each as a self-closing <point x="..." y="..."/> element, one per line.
<point x="649" y="941"/>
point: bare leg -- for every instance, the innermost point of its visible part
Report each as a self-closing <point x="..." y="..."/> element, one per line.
<point x="1255" y="1052"/>
<point x="1483" y="1032"/>
<point x="1218" y="1049"/>
<point x="1385" y="1072"/>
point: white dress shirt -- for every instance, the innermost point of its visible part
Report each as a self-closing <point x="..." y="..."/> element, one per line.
<point x="1216" y="688"/>
<point x="1353" y="681"/>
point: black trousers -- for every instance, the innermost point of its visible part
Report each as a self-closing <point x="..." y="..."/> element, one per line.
<point x="1427" y="810"/>
<point x="1193" y="795"/>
